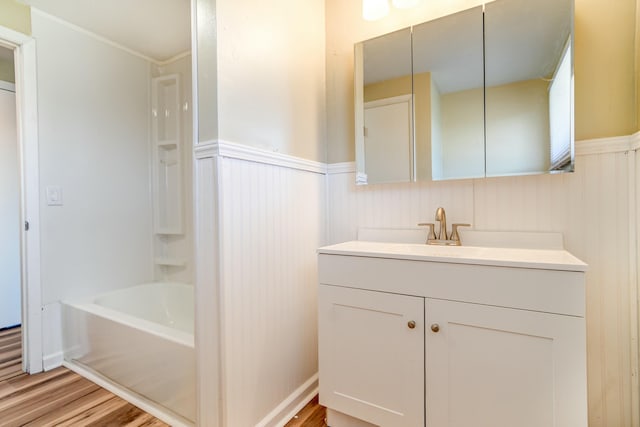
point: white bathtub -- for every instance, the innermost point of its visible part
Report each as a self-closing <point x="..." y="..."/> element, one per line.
<point x="140" y="338"/>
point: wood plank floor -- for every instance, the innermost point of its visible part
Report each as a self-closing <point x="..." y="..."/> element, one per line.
<point x="312" y="415"/>
<point x="61" y="397"/>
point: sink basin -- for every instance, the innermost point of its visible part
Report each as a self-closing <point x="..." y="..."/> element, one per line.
<point x="554" y="259"/>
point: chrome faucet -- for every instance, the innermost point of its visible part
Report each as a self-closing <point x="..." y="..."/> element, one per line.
<point x="442" y="238"/>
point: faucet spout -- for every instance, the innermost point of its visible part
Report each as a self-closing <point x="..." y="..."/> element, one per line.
<point x="441" y="217"/>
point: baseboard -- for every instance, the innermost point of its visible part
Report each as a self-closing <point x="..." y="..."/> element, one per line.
<point x="52" y="361"/>
<point x="297" y="400"/>
<point x="135" y="399"/>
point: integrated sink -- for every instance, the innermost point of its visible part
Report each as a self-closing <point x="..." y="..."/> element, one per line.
<point x="554" y="259"/>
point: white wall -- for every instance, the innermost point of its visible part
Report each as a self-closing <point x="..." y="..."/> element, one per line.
<point x="271" y="79"/>
<point x="93" y="107"/>
<point x="272" y="221"/>
<point x="593" y="208"/>
<point x="258" y="223"/>
<point x="9" y="213"/>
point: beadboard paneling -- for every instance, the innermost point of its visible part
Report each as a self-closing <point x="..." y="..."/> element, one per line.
<point x="593" y="208"/>
<point x="271" y="223"/>
<point x="207" y="291"/>
<point x="392" y="205"/>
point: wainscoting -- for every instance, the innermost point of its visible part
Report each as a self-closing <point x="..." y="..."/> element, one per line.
<point x="594" y="208"/>
<point x="270" y="221"/>
<point x="260" y="217"/>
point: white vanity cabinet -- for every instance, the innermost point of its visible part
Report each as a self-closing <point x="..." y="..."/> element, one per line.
<point x="373" y="352"/>
<point x="411" y="335"/>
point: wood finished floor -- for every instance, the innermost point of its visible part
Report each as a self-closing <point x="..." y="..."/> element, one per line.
<point x="61" y="397"/>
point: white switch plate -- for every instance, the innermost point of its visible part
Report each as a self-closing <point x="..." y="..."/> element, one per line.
<point x="54" y="195"/>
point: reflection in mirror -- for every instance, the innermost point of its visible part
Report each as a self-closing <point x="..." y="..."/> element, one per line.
<point x="529" y="86"/>
<point x="449" y="99"/>
<point x="384" y="109"/>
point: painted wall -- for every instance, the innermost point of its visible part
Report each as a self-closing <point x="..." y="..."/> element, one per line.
<point x="272" y="221"/>
<point x="10" y="302"/>
<point x="604" y="64"/>
<point x="261" y="222"/>
<point x="271" y="75"/>
<point x="577" y="205"/>
<point x="605" y="78"/>
<point x="572" y="204"/>
<point x="207" y="73"/>
<point x="93" y="104"/>
<point x="15" y="15"/>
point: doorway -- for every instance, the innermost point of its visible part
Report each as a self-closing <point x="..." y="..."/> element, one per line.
<point x="23" y="94"/>
<point x="10" y="274"/>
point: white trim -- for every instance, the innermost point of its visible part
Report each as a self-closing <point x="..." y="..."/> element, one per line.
<point x="290" y="406"/>
<point x="400" y="99"/>
<point x="343" y="167"/>
<point x="11" y="38"/>
<point x="27" y="122"/>
<point x="205" y="150"/>
<point x="249" y="153"/>
<point x="52" y="361"/>
<point x="635" y="141"/>
<point x="8" y="86"/>
<point x="617" y="144"/>
<point x="26" y="85"/>
<point x="146" y="405"/>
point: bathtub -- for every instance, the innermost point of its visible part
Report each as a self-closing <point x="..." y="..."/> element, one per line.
<point x="141" y="339"/>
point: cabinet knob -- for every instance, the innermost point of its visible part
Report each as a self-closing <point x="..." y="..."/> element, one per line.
<point x="435" y="327"/>
<point x="411" y="324"/>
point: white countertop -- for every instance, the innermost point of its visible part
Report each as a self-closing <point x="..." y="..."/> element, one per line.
<point x="545" y="259"/>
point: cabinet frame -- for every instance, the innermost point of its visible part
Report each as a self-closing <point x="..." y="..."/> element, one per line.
<point x="541" y="300"/>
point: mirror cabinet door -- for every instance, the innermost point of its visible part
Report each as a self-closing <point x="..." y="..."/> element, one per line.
<point x="480" y="93"/>
<point x="529" y="86"/>
<point x="448" y="74"/>
<point x="384" y="109"/>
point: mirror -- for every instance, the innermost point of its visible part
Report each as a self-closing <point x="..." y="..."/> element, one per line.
<point x="491" y="90"/>
<point x="384" y="118"/>
<point x="448" y="89"/>
<point x="529" y="86"/>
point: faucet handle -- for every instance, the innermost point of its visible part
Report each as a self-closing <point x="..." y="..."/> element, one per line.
<point x="454" y="232"/>
<point x="431" y="234"/>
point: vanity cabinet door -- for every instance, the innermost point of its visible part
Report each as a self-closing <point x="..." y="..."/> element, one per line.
<point x="371" y="355"/>
<point x="490" y="366"/>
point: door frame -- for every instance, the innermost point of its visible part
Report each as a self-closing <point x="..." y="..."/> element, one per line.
<point x="24" y="52"/>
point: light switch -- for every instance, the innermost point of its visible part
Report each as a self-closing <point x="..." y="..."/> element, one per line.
<point x="54" y="195"/>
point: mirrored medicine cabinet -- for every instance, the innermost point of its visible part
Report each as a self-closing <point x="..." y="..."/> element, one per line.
<point x="484" y="92"/>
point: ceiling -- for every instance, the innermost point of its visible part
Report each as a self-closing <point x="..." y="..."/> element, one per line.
<point x="159" y="29"/>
